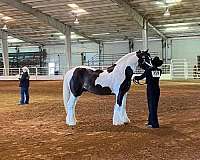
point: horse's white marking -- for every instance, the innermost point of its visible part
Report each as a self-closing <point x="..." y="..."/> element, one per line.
<point x="71" y="119"/>
<point x="124" y="114"/>
<point x="120" y="116"/>
<point x="114" y="79"/>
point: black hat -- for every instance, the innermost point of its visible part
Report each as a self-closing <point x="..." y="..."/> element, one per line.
<point x="157" y="62"/>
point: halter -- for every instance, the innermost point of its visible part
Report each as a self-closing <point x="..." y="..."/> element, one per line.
<point x="149" y="64"/>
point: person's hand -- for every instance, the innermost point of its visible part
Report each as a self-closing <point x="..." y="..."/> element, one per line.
<point x="135" y="80"/>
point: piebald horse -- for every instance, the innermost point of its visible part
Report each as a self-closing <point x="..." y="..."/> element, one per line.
<point x="115" y="80"/>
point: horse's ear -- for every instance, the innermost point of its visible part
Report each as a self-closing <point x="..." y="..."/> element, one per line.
<point x="147" y="50"/>
<point x="138" y="52"/>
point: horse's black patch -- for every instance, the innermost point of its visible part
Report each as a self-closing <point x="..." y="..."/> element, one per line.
<point x="84" y="80"/>
<point x="111" y="68"/>
<point x="125" y="86"/>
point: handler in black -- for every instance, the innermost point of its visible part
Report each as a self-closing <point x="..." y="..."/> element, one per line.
<point x="152" y="75"/>
<point x="24" y="84"/>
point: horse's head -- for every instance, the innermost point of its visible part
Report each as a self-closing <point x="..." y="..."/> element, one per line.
<point x="144" y="60"/>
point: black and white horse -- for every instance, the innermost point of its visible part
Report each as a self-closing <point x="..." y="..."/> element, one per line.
<point x="115" y="80"/>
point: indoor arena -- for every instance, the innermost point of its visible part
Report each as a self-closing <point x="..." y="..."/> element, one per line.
<point x="99" y="80"/>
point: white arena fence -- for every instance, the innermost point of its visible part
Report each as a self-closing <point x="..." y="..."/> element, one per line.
<point x="178" y="69"/>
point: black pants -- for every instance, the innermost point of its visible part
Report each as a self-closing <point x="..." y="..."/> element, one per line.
<point x="153" y="95"/>
<point x="24" y="95"/>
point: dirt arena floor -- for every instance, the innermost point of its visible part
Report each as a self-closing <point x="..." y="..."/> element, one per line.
<point x="38" y="130"/>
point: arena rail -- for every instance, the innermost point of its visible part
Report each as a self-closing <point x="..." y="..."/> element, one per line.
<point x="175" y="70"/>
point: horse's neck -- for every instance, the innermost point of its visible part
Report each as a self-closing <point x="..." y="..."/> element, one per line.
<point x="124" y="58"/>
<point x="128" y="60"/>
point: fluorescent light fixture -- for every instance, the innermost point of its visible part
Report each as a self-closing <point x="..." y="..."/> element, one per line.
<point x="58" y="34"/>
<point x="100" y="34"/>
<point x="14" y="40"/>
<point x="176" y="29"/>
<point x="73" y="36"/>
<point x="73" y="5"/>
<point x="167" y="13"/>
<point x="62" y="37"/>
<point x="159" y="3"/>
<point x="6" y="18"/>
<point x="177" y="24"/>
<point x="172" y="1"/>
<point x="79" y="11"/>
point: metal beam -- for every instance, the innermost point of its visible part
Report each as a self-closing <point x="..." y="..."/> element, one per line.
<point x="145" y="36"/>
<point x="136" y="16"/>
<point x="68" y="49"/>
<point x="44" y="18"/>
<point x="4" y="46"/>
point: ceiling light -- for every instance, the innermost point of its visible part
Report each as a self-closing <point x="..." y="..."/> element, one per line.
<point x="73" y="36"/>
<point x="62" y="37"/>
<point x="6" y="18"/>
<point x="4" y="27"/>
<point x="73" y="5"/>
<point x="176" y="29"/>
<point x="58" y="34"/>
<point x="172" y="1"/>
<point x="14" y="40"/>
<point x="100" y="34"/>
<point x="76" y="21"/>
<point x="167" y="13"/>
<point x="79" y="11"/>
<point x="159" y="3"/>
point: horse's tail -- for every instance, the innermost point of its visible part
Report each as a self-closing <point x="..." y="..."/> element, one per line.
<point x="66" y="89"/>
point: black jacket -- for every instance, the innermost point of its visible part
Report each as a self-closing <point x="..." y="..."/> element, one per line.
<point x="24" y="80"/>
<point x="152" y="75"/>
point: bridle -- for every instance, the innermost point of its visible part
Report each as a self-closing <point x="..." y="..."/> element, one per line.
<point x="149" y="64"/>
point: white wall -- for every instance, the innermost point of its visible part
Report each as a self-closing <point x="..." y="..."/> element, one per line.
<point x="77" y="49"/>
<point x="186" y="49"/>
<point x="116" y="47"/>
<point x="179" y="49"/>
<point x="22" y="49"/>
<point x="154" y="46"/>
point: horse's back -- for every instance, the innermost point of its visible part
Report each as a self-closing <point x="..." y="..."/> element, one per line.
<point x="83" y="78"/>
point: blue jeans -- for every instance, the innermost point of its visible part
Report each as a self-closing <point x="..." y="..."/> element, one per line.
<point x="24" y="95"/>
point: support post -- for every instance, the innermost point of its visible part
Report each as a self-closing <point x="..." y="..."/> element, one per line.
<point x="131" y="45"/>
<point x="101" y="54"/>
<point x="68" y="48"/>
<point x="145" y="35"/>
<point x="4" y="45"/>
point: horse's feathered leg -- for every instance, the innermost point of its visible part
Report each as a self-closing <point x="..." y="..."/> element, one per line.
<point x="70" y="119"/>
<point x="66" y="92"/>
<point x="117" y="115"/>
<point x="124" y="114"/>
